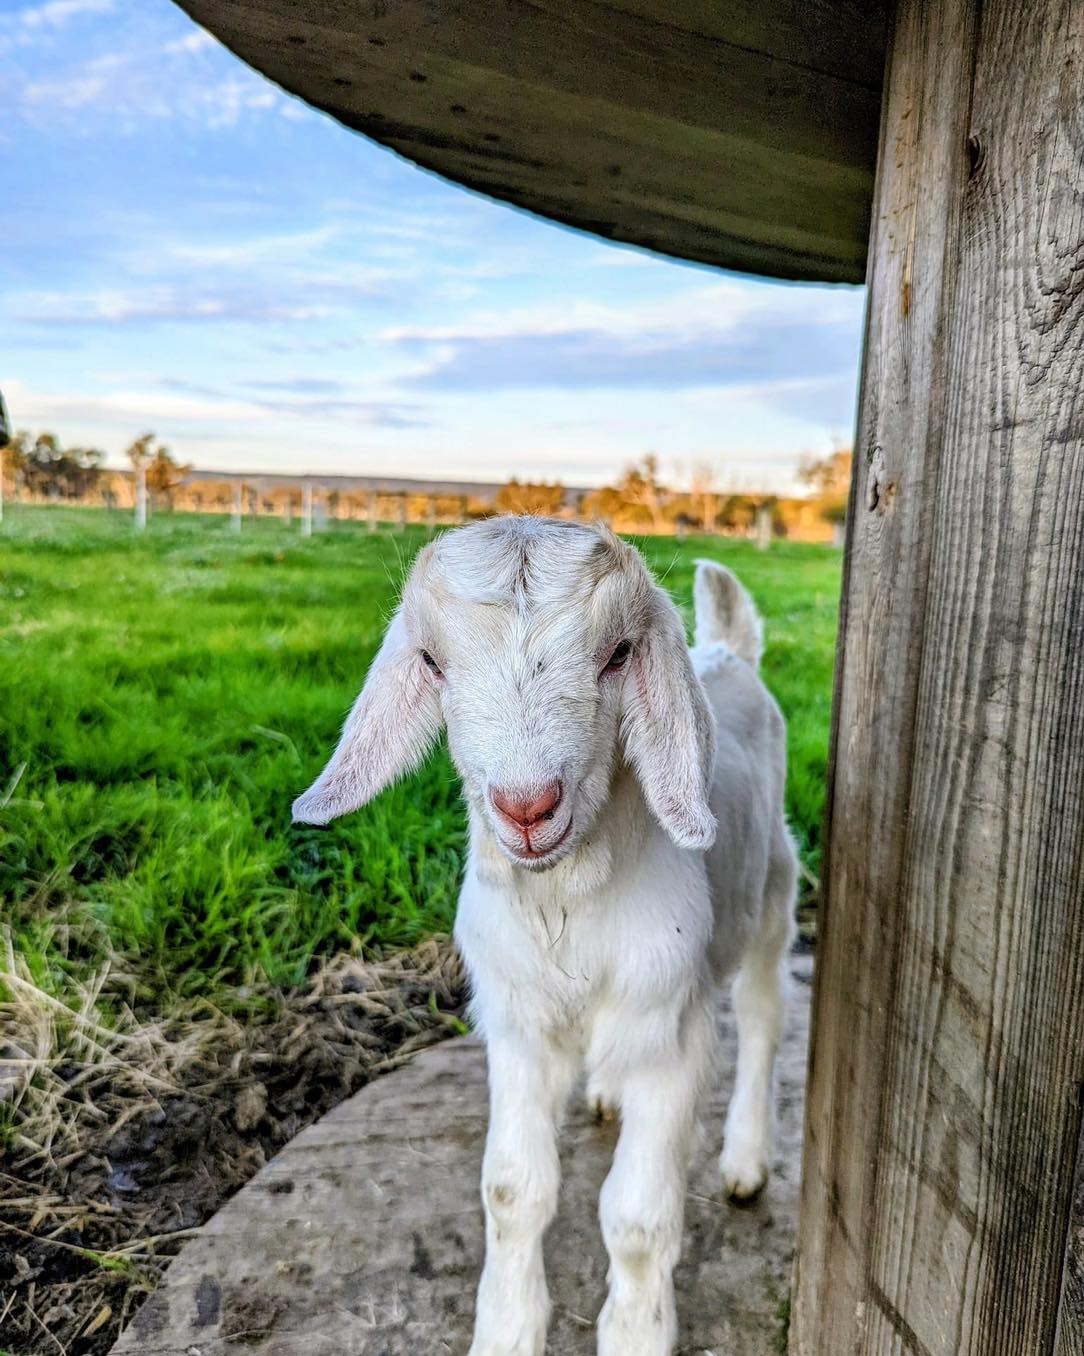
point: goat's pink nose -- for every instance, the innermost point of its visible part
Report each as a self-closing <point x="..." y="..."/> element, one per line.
<point x="524" y="809"/>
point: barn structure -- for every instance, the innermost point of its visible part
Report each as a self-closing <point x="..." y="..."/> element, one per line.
<point x="936" y="149"/>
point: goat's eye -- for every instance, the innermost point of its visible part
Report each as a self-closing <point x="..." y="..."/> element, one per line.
<point x="619" y="657"/>
<point x="432" y="664"/>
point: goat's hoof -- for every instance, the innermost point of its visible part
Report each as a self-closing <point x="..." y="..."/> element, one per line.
<point x="744" y="1177"/>
<point x="520" y="1345"/>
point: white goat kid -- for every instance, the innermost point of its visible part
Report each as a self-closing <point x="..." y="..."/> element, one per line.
<point x="628" y="852"/>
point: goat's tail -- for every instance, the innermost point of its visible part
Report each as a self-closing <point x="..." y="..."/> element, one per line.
<point x="724" y="611"/>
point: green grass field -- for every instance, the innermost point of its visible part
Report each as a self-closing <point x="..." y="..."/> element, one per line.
<point x="163" y="698"/>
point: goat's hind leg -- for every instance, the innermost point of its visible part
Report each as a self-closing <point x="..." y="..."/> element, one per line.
<point x="759" y="1000"/>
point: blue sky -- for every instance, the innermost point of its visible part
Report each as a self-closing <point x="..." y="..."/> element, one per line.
<point x="190" y="250"/>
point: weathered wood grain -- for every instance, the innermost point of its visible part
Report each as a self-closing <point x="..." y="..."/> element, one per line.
<point x="944" y="1106"/>
<point x="741" y="135"/>
<point x="1070" y="1336"/>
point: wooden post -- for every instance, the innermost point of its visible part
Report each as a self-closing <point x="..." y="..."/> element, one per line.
<point x="944" y="1116"/>
<point x="141" y="498"/>
<point x="373" y="518"/>
<point x="430" y="513"/>
<point x="238" y="510"/>
<point x="306" y="509"/>
<point x="402" y="513"/>
<point x="763" y="527"/>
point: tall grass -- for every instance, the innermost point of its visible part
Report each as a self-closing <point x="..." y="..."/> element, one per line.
<point x="164" y="696"/>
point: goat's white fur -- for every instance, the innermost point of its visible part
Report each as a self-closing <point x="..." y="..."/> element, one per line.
<point x="670" y="868"/>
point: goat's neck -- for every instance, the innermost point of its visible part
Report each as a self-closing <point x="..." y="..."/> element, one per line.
<point x="617" y="840"/>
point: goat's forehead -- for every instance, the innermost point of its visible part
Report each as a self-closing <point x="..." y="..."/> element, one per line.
<point x="526" y="582"/>
<point x="528" y="565"/>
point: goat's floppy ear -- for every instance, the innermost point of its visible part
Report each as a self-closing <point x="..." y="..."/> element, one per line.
<point x="387" y="733"/>
<point x="669" y="731"/>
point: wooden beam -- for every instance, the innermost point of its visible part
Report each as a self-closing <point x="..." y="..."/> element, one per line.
<point x="742" y="134"/>
<point x="946" y="1077"/>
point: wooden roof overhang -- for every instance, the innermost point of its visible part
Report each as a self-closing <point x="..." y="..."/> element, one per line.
<point x="737" y="134"/>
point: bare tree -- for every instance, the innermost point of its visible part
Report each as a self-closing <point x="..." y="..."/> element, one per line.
<point x="704" y="493"/>
<point x="528" y="497"/>
<point x="829" y="478"/>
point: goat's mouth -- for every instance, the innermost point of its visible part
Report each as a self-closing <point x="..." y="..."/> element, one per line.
<point x="546" y="855"/>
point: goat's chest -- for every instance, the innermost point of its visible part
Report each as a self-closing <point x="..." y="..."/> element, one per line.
<point x="570" y="967"/>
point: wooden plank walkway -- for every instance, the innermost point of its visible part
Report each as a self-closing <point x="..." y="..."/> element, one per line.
<point x="363" y="1237"/>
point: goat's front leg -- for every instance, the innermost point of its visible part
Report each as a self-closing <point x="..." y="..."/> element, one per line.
<point x="528" y="1085"/>
<point x="642" y="1205"/>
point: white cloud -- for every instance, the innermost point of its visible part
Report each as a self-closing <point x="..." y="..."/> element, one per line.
<point x="54" y="13"/>
<point x="89" y="85"/>
<point x="41" y="408"/>
<point x="712" y="308"/>
<point x="147" y="80"/>
<point x="614" y="254"/>
<point x="164" y="302"/>
<point x="294" y="110"/>
<point x="195" y="419"/>
<point x="224" y="105"/>
<point x="289" y="246"/>
<point x="199" y="41"/>
<point x="68" y="94"/>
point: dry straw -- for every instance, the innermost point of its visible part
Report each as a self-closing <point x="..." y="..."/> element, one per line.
<point x="122" y="1133"/>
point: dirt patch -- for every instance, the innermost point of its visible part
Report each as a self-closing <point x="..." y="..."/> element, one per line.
<point x="124" y="1140"/>
<point x="250" y="1317"/>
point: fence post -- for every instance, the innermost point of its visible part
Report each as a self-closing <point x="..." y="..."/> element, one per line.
<point x="306" y="509"/>
<point x="235" y="516"/>
<point x="764" y="527"/>
<point x="373" y="520"/>
<point x="5" y="437"/>
<point x="141" y="498"/>
<point x="402" y="513"/>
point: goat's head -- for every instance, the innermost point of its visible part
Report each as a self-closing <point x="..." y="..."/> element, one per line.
<point x="551" y="656"/>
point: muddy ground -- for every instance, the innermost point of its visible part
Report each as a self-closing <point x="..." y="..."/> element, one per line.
<point x="93" y="1206"/>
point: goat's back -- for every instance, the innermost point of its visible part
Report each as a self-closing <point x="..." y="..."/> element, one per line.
<point x="750" y="763"/>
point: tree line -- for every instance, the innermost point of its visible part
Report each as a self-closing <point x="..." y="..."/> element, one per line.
<point x="640" y="500"/>
<point x="40" y="466"/>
